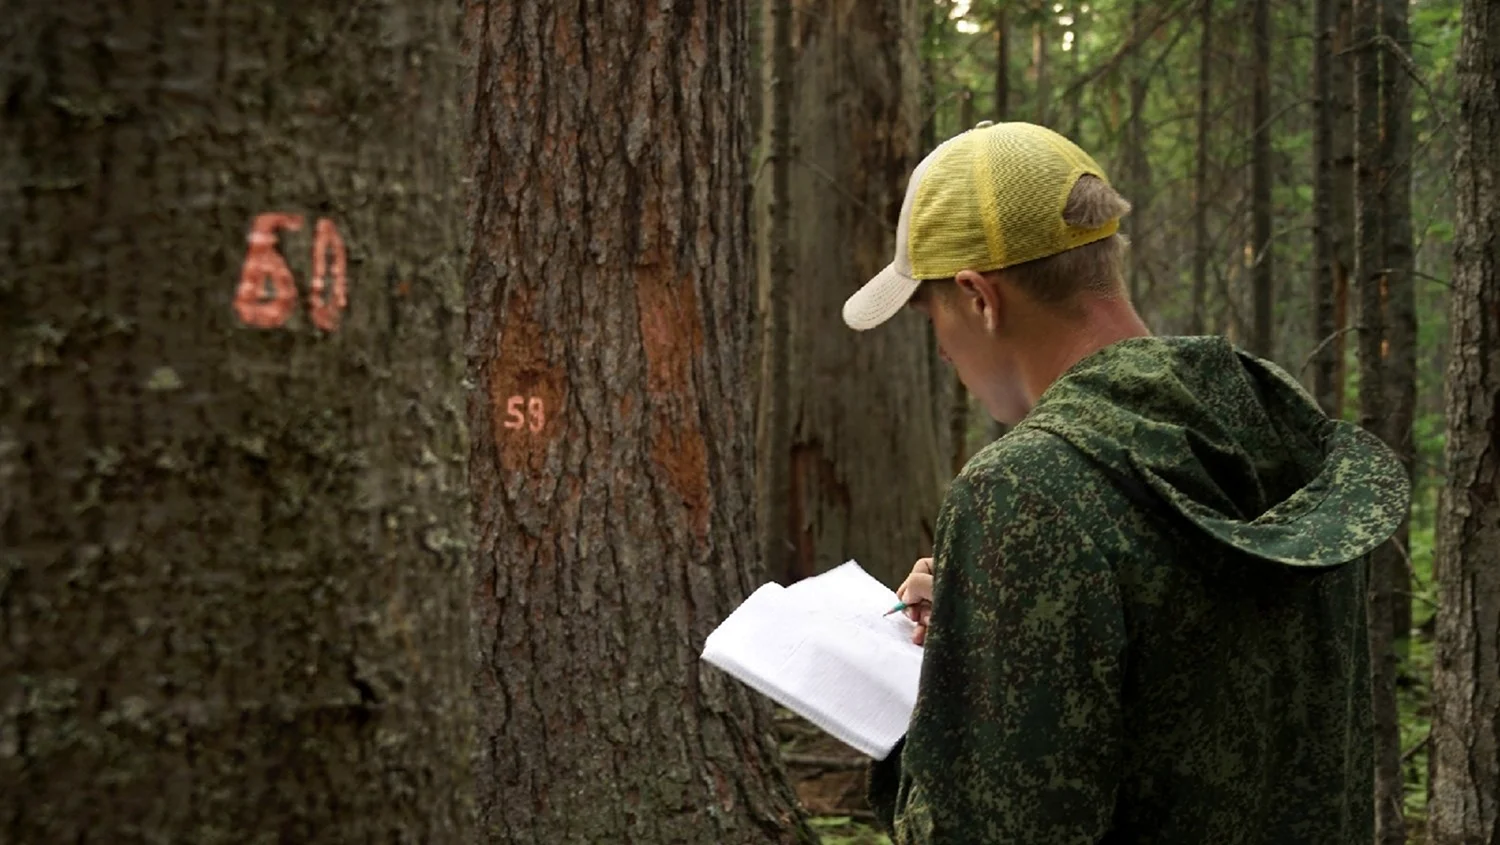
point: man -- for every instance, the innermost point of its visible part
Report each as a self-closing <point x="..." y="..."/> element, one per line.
<point x="1147" y="600"/>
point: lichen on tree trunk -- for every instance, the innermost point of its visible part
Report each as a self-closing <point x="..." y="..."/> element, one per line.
<point x="233" y="567"/>
<point x="610" y="289"/>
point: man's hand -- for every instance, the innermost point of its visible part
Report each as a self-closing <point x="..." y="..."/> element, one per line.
<point x="916" y="592"/>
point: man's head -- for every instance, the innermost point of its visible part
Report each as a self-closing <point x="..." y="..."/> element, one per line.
<point x="1008" y="241"/>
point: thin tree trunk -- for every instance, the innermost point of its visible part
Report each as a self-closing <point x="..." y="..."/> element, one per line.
<point x="1325" y="362"/>
<point x="606" y="291"/>
<point x="232" y="475"/>
<point x="994" y="430"/>
<point x="865" y="485"/>
<point x="1400" y="299"/>
<point x="958" y="420"/>
<point x="1201" y="244"/>
<point x="1134" y="156"/>
<point x="1261" y="339"/>
<point x="1041" y="66"/>
<point x="1074" y="126"/>
<point x="1465" y="804"/>
<point x="1370" y="233"/>
<point x="774" y="442"/>
<point x="1342" y="241"/>
<point x="1002" y="62"/>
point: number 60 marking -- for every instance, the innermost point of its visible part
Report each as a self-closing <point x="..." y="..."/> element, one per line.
<point x="264" y="263"/>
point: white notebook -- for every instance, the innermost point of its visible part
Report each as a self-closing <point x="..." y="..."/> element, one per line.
<point x="823" y="648"/>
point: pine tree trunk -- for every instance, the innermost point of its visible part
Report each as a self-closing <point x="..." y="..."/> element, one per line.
<point x="1465" y="805"/>
<point x="234" y="558"/>
<point x="1136" y="165"/>
<point x="1041" y="66"/>
<point x="1201" y="243"/>
<point x="1370" y="172"/>
<point x="773" y="442"/>
<point x="958" y="415"/>
<point x="1342" y="233"/>
<point x="1002" y="62"/>
<point x="611" y="313"/>
<point x="1261" y="339"/>
<point x="1325" y="234"/>
<point x="866" y="483"/>
<point x="1400" y="298"/>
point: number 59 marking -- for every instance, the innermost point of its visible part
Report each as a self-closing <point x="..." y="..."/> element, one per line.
<point x="523" y="412"/>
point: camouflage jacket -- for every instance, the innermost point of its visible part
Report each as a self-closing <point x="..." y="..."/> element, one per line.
<point x="1148" y="619"/>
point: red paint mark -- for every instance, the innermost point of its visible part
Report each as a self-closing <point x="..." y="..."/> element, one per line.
<point x="262" y="263"/>
<point x="523" y="412"/>
<point x="326" y="312"/>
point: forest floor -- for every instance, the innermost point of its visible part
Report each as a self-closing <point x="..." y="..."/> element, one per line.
<point x="830" y="781"/>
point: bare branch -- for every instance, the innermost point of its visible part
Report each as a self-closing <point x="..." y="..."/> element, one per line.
<point x="1323" y="344"/>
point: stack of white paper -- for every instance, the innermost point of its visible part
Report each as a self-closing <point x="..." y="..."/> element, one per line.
<point x="823" y="648"/>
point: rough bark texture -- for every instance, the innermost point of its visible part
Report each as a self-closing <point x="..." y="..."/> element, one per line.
<point x="1370" y="170"/>
<point x="232" y="559"/>
<point x="610" y="289"/>
<point x="1201" y="244"/>
<point x="868" y="455"/>
<point x="1261" y="339"/>
<point x="1465" y="803"/>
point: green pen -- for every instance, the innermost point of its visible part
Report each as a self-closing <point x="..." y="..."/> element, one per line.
<point x="900" y="606"/>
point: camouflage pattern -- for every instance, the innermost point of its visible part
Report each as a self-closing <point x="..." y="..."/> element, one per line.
<point x="1186" y="663"/>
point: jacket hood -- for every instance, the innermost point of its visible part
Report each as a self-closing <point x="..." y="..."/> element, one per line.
<point x="1232" y="444"/>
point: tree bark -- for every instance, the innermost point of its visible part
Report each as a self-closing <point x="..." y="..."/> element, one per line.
<point x="1201" y="243"/>
<point x="774" y="440"/>
<point x="233" y="532"/>
<point x="1371" y="168"/>
<point x="1041" y="66"/>
<point x="958" y="415"/>
<point x="1325" y="228"/>
<point x="608" y="290"/>
<point x="1400" y="293"/>
<point x="866" y="484"/>
<point x="1261" y="339"/>
<point x="1002" y="62"/>
<point x="1465" y="804"/>
<point x="1342" y="240"/>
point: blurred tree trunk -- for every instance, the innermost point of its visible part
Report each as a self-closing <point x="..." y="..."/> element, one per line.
<point x="1325" y="228"/>
<point x="1399" y="289"/>
<point x="608" y="304"/>
<point x="1261" y="340"/>
<point x="1342" y="202"/>
<point x="1371" y="233"/>
<point x="958" y="418"/>
<point x="234" y="568"/>
<point x="773" y="440"/>
<point x="1002" y="62"/>
<point x="1074" y="127"/>
<point x="1201" y="243"/>
<point x="1041" y="65"/>
<point x="1136" y="164"/>
<point x="868" y="457"/>
<point x="1465" y="801"/>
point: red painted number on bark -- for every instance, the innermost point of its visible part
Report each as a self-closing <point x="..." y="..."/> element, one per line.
<point x="263" y="264"/>
<point x="523" y="412"/>
<point x="326" y="311"/>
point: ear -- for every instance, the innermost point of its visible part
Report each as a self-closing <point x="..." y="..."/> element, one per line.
<point x="982" y="298"/>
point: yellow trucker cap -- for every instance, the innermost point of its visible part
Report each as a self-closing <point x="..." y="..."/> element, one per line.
<point x="987" y="199"/>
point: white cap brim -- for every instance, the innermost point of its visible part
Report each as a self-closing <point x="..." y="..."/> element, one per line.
<point x="879" y="299"/>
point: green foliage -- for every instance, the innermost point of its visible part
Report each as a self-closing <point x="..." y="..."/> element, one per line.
<point x="843" y="830"/>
